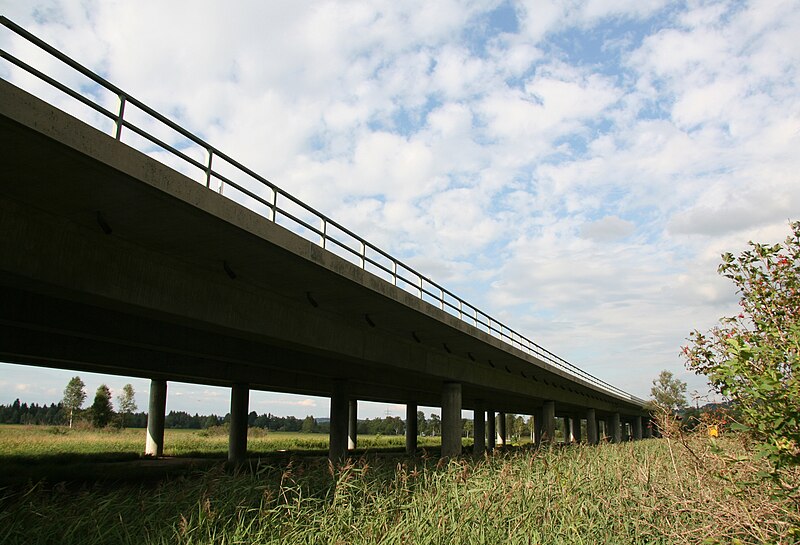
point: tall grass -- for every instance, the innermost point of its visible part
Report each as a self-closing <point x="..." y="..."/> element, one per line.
<point x="644" y="492"/>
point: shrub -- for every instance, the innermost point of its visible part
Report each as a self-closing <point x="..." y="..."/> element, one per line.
<point x="752" y="358"/>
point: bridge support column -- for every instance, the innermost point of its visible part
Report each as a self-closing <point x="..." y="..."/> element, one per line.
<point x="591" y="427"/>
<point x="237" y="435"/>
<point x="340" y="412"/>
<point x="549" y="421"/>
<point x="154" y="445"/>
<point x="648" y="428"/>
<point x="538" y="420"/>
<point x="451" y="419"/>
<point x="411" y="428"/>
<point x="352" y="424"/>
<point x="478" y="419"/>
<point x="567" y="430"/>
<point x="576" y="429"/>
<point x="637" y="428"/>
<point x="616" y="429"/>
<point x="491" y="432"/>
<point x="501" y="429"/>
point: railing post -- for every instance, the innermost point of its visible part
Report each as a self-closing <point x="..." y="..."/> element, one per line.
<point x="208" y="169"/>
<point x="324" y="233"/>
<point x="363" y="254"/>
<point x="273" y="209"/>
<point x="122" y="101"/>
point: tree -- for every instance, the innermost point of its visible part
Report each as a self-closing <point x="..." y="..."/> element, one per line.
<point x="102" y="411"/>
<point x="309" y="425"/>
<point x="127" y="403"/>
<point x="74" y="396"/>
<point x="754" y="358"/>
<point x="422" y="424"/>
<point x="434" y="424"/>
<point x="668" y="393"/>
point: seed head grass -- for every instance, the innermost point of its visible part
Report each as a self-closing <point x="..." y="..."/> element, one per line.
<point x="648" y="492"/>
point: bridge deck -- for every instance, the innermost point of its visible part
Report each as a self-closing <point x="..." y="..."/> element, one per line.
<point x="189" y="285"/>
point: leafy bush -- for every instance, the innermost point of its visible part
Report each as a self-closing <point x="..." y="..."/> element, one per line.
<point x="752" y="358"/>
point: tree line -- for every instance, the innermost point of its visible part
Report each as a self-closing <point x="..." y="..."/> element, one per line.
<point x="102" y="413"/>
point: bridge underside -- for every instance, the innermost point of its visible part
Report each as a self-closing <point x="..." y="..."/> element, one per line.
<point x="114" y="263"/>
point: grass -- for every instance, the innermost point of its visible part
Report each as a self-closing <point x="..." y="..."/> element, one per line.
<point x="648" y="492"/>
<point x="33" y="443"/>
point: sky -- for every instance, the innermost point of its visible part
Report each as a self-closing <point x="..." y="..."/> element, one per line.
<point x="574" y="169"/>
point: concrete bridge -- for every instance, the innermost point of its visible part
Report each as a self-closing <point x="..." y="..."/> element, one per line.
<point x="113" y="262"/>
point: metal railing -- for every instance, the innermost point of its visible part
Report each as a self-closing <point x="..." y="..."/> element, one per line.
<point x="362" y="252"/>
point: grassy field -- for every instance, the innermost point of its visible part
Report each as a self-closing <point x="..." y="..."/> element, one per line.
<point x="653" y="491"/>
<point x="49" y="441"/>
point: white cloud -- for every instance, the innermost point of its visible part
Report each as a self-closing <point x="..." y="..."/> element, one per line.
<point x="607" y="229"/>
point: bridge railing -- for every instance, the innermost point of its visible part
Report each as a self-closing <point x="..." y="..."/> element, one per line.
<point x="263" y="196"/>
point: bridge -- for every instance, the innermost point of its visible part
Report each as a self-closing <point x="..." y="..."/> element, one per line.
<point x="200" y="270"/>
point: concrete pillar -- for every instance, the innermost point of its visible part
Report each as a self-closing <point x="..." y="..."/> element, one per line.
<point x="591" y="427"/>
<point x="352" y="424"/>
<point x="154" y="445"/>
<point x="549" y="421"/>
<point x="412" y="429"/>
<point x="501" y="429"/>
<point x="637" y="428"/>
<point x="648" y="428"/>
<point x="237" y="434"/>
<point x="491" y="433"/>
<point x="616" y="428"/>
<point x="576" y="429"/>
<point x="479" y="422"/>
<point x="340" y="413"/>
<point x="451" y="419"/>
<point x="538" y="421"/>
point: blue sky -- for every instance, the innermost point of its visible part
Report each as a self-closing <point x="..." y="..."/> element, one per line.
<point x="573" y="168"/>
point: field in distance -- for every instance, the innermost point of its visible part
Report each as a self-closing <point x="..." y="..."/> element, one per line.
<point x="60" y="443"/>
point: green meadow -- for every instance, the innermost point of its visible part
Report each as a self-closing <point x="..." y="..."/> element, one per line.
<point x="662" y="491"/>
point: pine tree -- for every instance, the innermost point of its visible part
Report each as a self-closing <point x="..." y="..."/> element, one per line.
<point x="102" y="411"/>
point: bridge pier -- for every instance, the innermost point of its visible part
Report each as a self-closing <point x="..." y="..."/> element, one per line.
<point x="648" y="428"/>
<point x="339" y="419"/>
<point x="154" y="444"/>
<point x="237" y="437"/>
<point x="591" y="427"/>
<point x="412" y="429"/>
<point x="451" y="419"/>
<point x="549" y="421"/>
<point x="616" y="429"/>
<point x="567" y="425"/>
<point x="637" y="428"/>
<point x="501" y="430"/>
<point x="576" y="429"/>
<point x="538" y="421"/>
<point x="478" y="419"/>
<point x="352" y="424"/>
<point x="491" y="432"/>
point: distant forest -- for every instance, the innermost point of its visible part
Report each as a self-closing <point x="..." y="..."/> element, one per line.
<point x="55" y="415"/>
